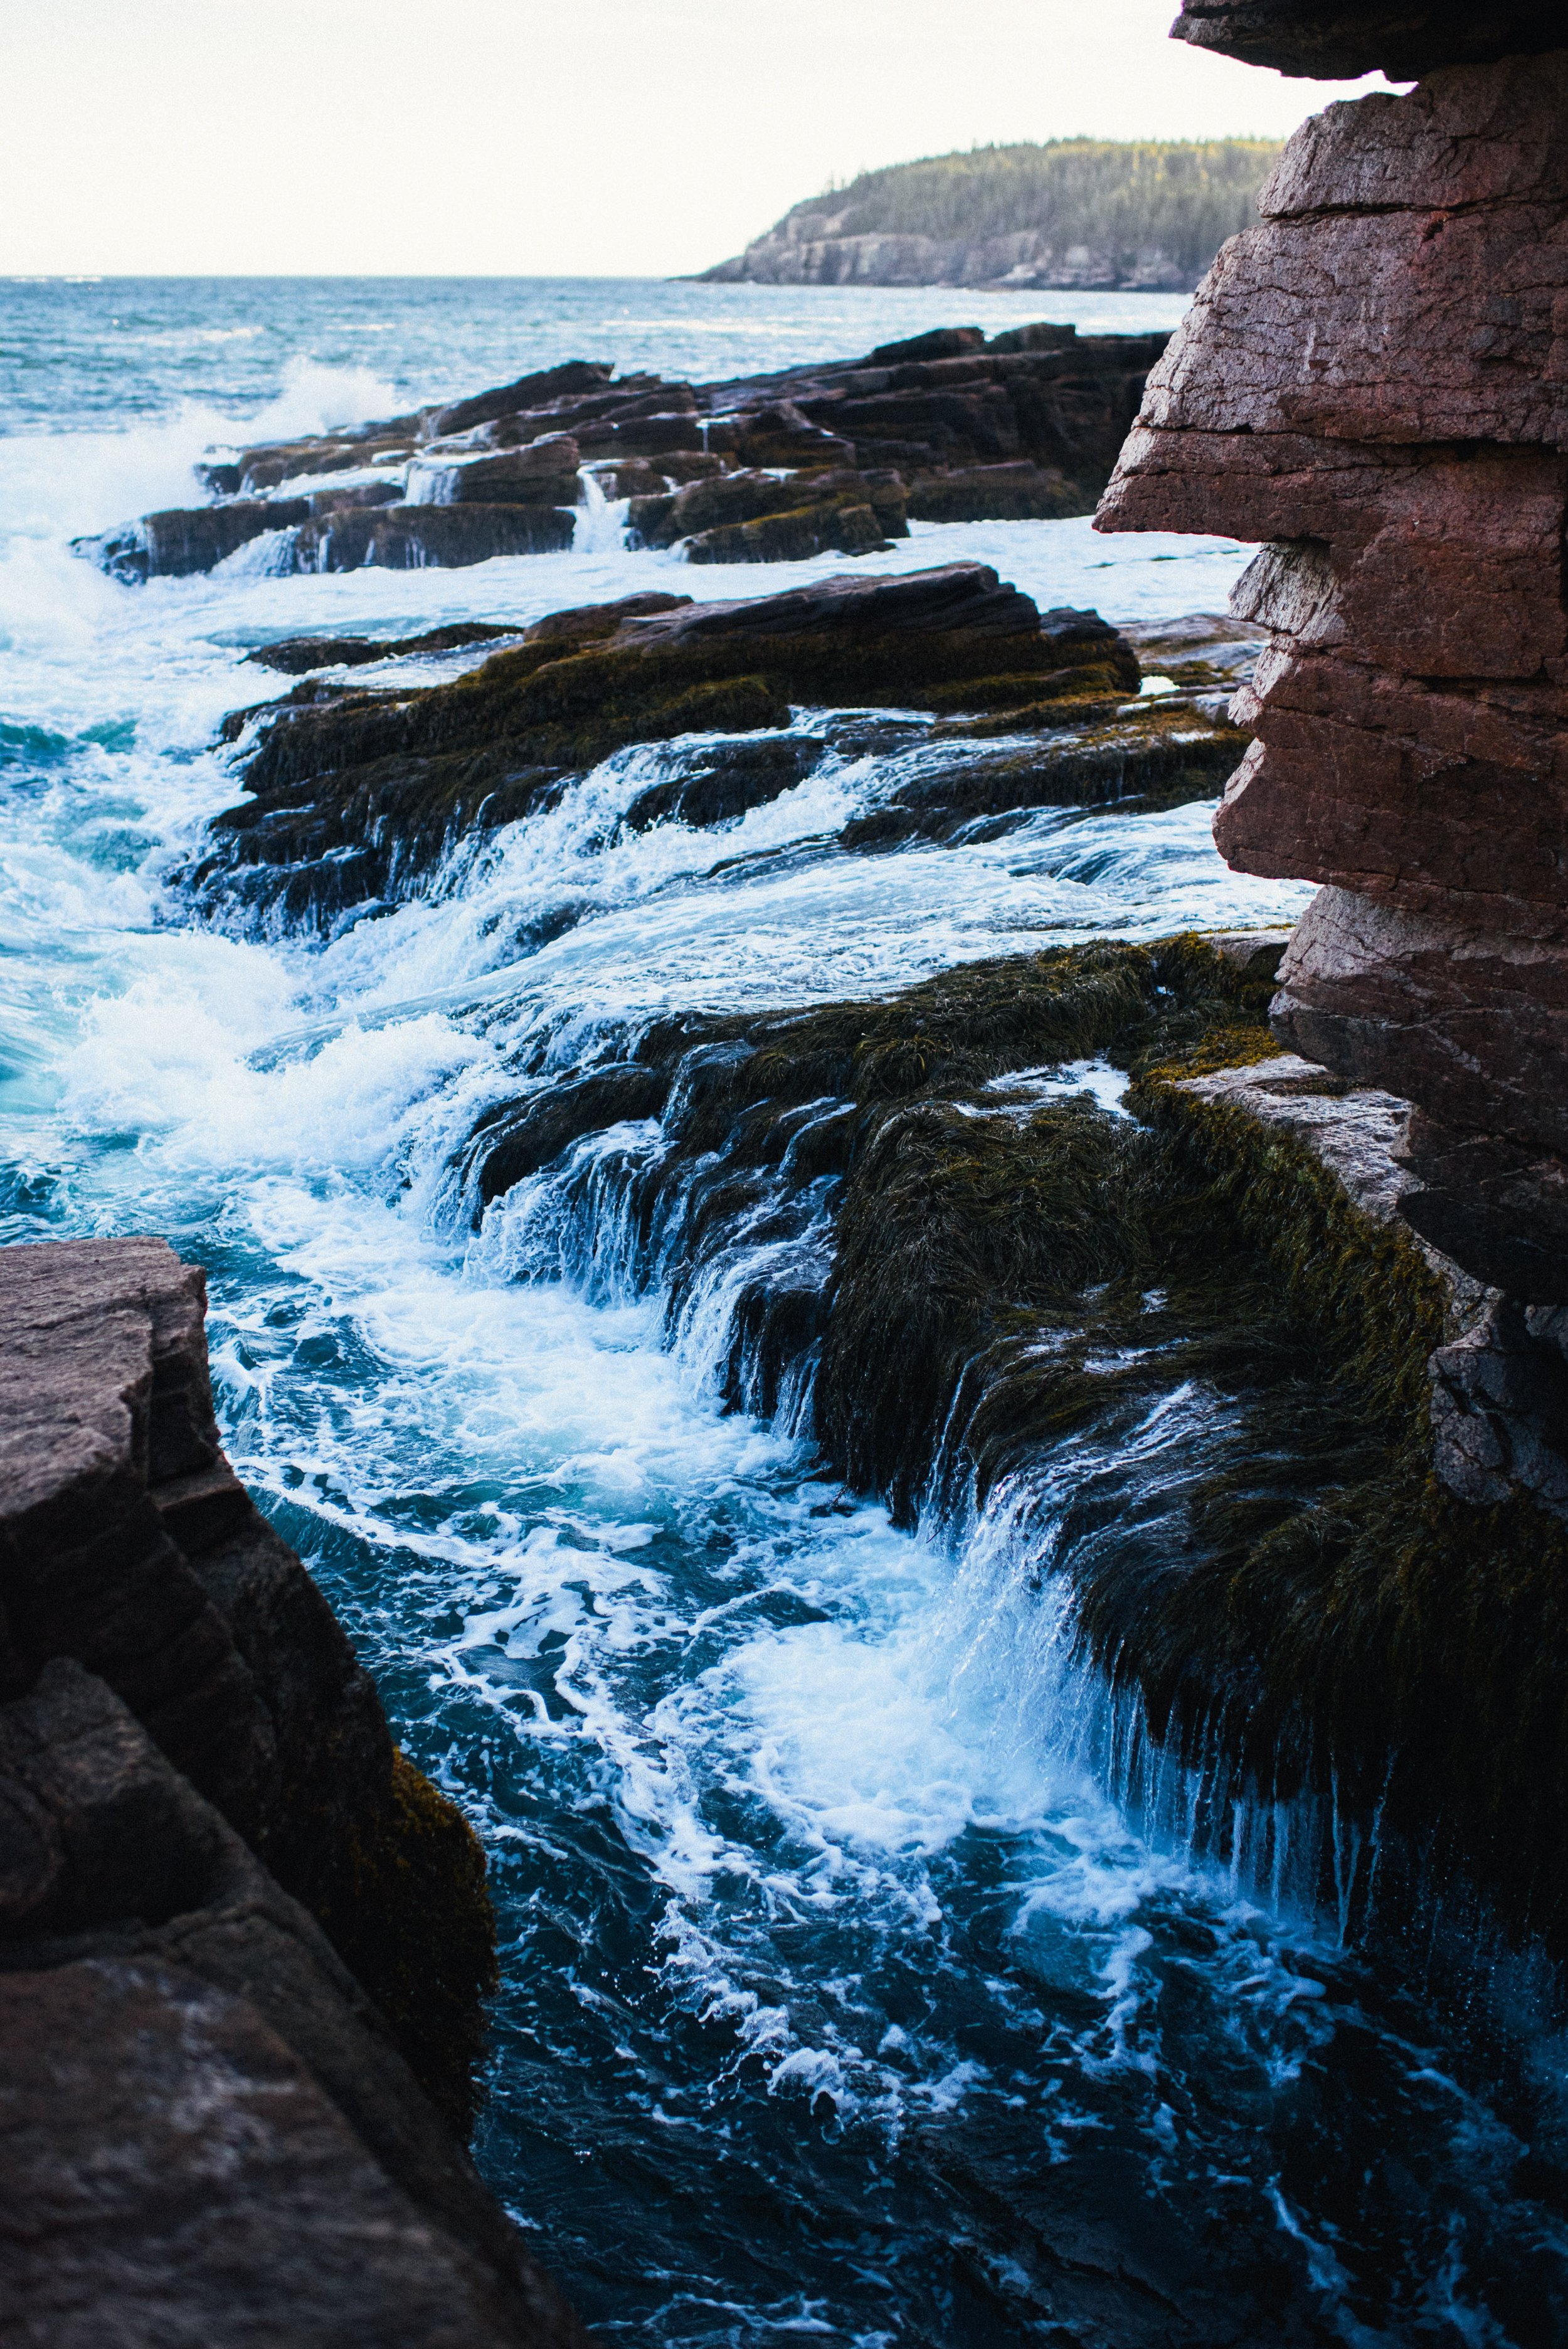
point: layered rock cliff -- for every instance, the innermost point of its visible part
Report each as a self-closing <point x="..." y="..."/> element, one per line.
<point x="1375" y="383"/>
<point x="217" y="2129"/>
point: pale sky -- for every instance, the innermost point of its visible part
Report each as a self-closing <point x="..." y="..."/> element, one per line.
<point x="515" y="136"/>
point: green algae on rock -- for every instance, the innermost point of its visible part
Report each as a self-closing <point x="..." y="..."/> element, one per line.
<point x="984" y="1287"/>
<point x="357" y="791"/>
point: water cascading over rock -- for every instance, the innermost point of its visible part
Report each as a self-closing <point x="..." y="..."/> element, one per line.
<point x="1374" y="382"/>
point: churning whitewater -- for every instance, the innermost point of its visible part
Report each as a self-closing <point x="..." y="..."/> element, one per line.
<point x="866" y="1978"/>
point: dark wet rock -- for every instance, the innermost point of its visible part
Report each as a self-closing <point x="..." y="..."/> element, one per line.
<point x="945" y="405"/>
<point x="209" y="2127"/>
<point x="577" y="378"/>
<point x="545" y="472"/>
<point x="1019" y="491"/>
<point x="718" y="785"/>
<point x="941" y="343"/>
<point x="647" y="477"/>
<point x="961" y="789"/>
<point x="959" y="1281"/>
<point x="1499" y="1207"/>
<point x="357" y="493"/>
<point x="409" y="537"/>
<point x="357" y="792"/>
<point x="1499" y="1408"/>
<point x="174" y="543"/>
<point x="825" y="526"/>
<point x="201" y="1818"/>
<point x="705" y="507"/>
<point x="295" y="655"/>
<point x="517" y="1139"/>
<point x="266" y="468"/>
<point x="126" y="1543"/>
<point x="778" y="433"/>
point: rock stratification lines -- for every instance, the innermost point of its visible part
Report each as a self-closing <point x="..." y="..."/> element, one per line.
<point x="1375" y="382"/>
<point x="204" y="1815"/>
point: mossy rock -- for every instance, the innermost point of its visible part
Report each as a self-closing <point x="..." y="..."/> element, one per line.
<point x="1294" y="1594"/>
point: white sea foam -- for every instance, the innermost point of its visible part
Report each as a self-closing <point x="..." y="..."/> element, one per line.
<point x="797" y="1719"/>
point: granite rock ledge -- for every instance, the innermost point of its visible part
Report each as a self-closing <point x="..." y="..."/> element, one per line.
<point x="214" y="2128"/>
<point x="1373" y="383"/>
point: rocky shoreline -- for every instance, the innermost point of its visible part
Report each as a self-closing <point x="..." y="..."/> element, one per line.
<point x="205" y="1826"/>
<point x="829" y="459"/>
<point x="1228" y="1271"/>
<point x="360" y="790"/>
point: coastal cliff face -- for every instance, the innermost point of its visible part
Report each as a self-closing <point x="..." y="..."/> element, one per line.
<point x="1375" y="383"/>
<point x="202" y="1817"/>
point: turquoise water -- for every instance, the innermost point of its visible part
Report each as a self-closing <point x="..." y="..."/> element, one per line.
<point x="845" y="1996"/>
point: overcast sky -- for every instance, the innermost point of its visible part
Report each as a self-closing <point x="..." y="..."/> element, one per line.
<point x="500" y="136"/>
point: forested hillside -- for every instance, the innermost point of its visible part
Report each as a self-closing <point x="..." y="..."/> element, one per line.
<point x="1074" y="213"/>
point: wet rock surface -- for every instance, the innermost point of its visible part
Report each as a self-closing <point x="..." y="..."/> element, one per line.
<point x="358" y="792"/>
<point x="947" y="427"/>
<point x="941" y="1250"/>
<point x="218" y="2127"/>
<point x="1373" y="381"/>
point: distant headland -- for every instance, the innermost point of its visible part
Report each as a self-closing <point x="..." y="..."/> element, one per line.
<point x="1133" y="214"/>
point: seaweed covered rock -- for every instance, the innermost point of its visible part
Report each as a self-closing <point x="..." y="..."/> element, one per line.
<point x="406" y="537"/>
<point x="1037" y="404"/>
<point x="355" y="792"/>
<point x="1193" y="1356"/>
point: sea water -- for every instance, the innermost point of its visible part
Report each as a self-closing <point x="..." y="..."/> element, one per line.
<point x="852" y="1989"/>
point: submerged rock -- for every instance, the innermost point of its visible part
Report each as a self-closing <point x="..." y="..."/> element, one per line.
<point x="206" y="1819"/>
<point x="296" y="656"/>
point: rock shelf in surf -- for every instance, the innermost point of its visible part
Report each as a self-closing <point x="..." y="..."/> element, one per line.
<point x="1196" y="1342"/>
<point x="206" y="1825"/>
<point x="833" y="458"/>
<point x="358" y="790"/>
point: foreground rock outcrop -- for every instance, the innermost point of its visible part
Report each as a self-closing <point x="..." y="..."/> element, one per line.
<point x="833" y="458"/>
<point x="1191" y="1358"/>
<point x="216" y="2126"/>
<point x="358" y="790"/>
<point x="1376" y="382"/>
